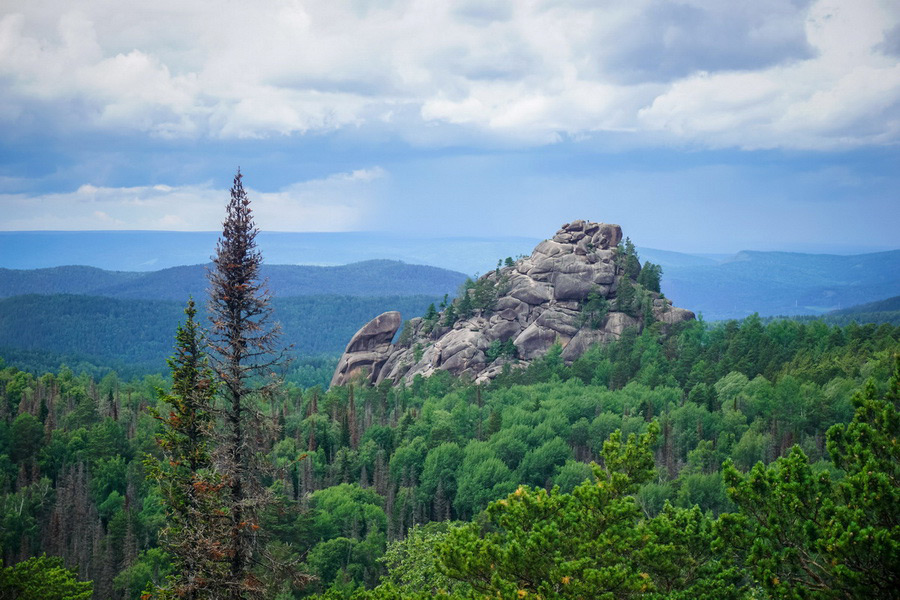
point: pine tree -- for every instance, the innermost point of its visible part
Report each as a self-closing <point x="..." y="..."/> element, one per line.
<point x="243" y="341"/>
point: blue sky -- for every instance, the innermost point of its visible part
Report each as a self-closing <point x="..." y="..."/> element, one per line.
<point x="698" y="125"/>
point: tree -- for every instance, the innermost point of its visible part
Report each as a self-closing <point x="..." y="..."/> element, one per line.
<point x="626" y="297"/>
<point x="628" y="259"/>
<point x="414" y="566"/>
<point x="431" y="313"/>
<point x="805" y="535"/>
<point x="589" y="543"/>
<point x="193" y="494"/>
<point x="594" y="310"/>
<point x="42" y="578"/>
<point x="243" y="342"/>
<point x="649" y="276"/>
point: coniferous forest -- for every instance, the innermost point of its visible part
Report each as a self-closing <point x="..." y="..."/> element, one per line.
<point x="742" y="459"/>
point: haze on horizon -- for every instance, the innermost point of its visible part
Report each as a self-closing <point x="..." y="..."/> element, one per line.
<point x="698" y="125"/>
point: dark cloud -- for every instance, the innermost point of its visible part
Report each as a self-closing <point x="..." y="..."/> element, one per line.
<point x="671" y="40"/>
<point x="891" y="44"/>
<point x="483" y="12"/>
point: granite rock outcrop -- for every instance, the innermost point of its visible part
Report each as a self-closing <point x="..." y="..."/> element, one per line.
<point x="569" y="291"/>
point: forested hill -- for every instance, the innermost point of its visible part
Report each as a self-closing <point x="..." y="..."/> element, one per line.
<point x="368" y="278"/>
<point x="135" y="336"/>
<point x="723" y="287"/>
<point x="887" y="305"/>
<point x="781" y="283"/>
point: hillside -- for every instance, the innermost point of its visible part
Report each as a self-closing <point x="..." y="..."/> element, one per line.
<point x="882" y="311"/>
<point x="136" y="336"/>
<point x="719" y="287"/>
<point x="378" y="482"/>
<point x="881" y="306"/>
<point x="782" y="283"/>
<point x="369" y="278"/>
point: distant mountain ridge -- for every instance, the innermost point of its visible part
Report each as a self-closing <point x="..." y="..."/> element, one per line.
<point x="782" y="283"/>
<point x="155" y="250"/>
<point x="886" y="305"/>
<point x="719" y="287"/>
<point x="367" y="278"/>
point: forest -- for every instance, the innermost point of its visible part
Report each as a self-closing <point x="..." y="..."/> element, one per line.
<point x="739" y="459"/>
<point x="133" y="337"/>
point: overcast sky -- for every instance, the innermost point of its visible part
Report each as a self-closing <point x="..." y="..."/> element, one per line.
<point x="698" y="125"/>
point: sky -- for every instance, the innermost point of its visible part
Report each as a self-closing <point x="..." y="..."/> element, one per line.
<point x="697" y="125"/>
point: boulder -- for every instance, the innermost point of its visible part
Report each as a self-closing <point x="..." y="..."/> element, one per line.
<point x="530" y="291"/>
<point x="377" y="332"/>
<point x="368" y="349"/>
<point x="534" y="341"/>
<point x="560" y="321"/>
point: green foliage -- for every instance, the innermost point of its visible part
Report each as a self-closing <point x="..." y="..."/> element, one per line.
<point x="406" y="334"/>
<point x="628" y="260"/>
<point x="589" y="543"/>
<point x="809" y="536"/>
<point x="192" y="491"/>
<point x="414" y="566"/>
<point x="594" y="310"/>
<point x="150" y="571"/>
<point x="627" y="298"/>
<point x="133" y="336"/>
<point x="650" y="276"/>
<point x="25" y="437"/>
<point x="431" y="313"/>
<point x="42" y="578"/>
<point x="347" y="511"/>
<point x="498" y="349"/>
<point x="395" y="457"/>
<point x="478" y="295"/>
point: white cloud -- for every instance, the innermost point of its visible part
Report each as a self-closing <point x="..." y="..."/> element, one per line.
<point x="340" y="202"/>
<point x="773" y="73"/>
<point x="848" y="95"/>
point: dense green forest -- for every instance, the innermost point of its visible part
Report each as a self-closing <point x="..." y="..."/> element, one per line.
<point x="135" y="336"/>
<point x="443" y="487"/>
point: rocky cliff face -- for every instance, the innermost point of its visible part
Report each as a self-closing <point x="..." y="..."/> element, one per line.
<point x="572" y="290"/>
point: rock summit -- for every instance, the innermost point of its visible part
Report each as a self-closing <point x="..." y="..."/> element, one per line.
<point x="579" y="288"/>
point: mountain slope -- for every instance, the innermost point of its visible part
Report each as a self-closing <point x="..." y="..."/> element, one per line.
<point x="886" y="305"/>
<point x="369" y="278"/>
<point x="783" y="283"/>
<point x="137" y="335"/>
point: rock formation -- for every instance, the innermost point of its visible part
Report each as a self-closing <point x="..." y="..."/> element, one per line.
<point x="571" y="291"/>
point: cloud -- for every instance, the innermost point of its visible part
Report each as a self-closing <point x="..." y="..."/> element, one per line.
<point x="340" y="202"/>
<point x="665" y="41"/>
<point x="849" y="95"/>
<point x="768" y="74"/>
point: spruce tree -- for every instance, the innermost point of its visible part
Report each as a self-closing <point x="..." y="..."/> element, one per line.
<point x="192" y="493"/>
<point x="243" y="340"/>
